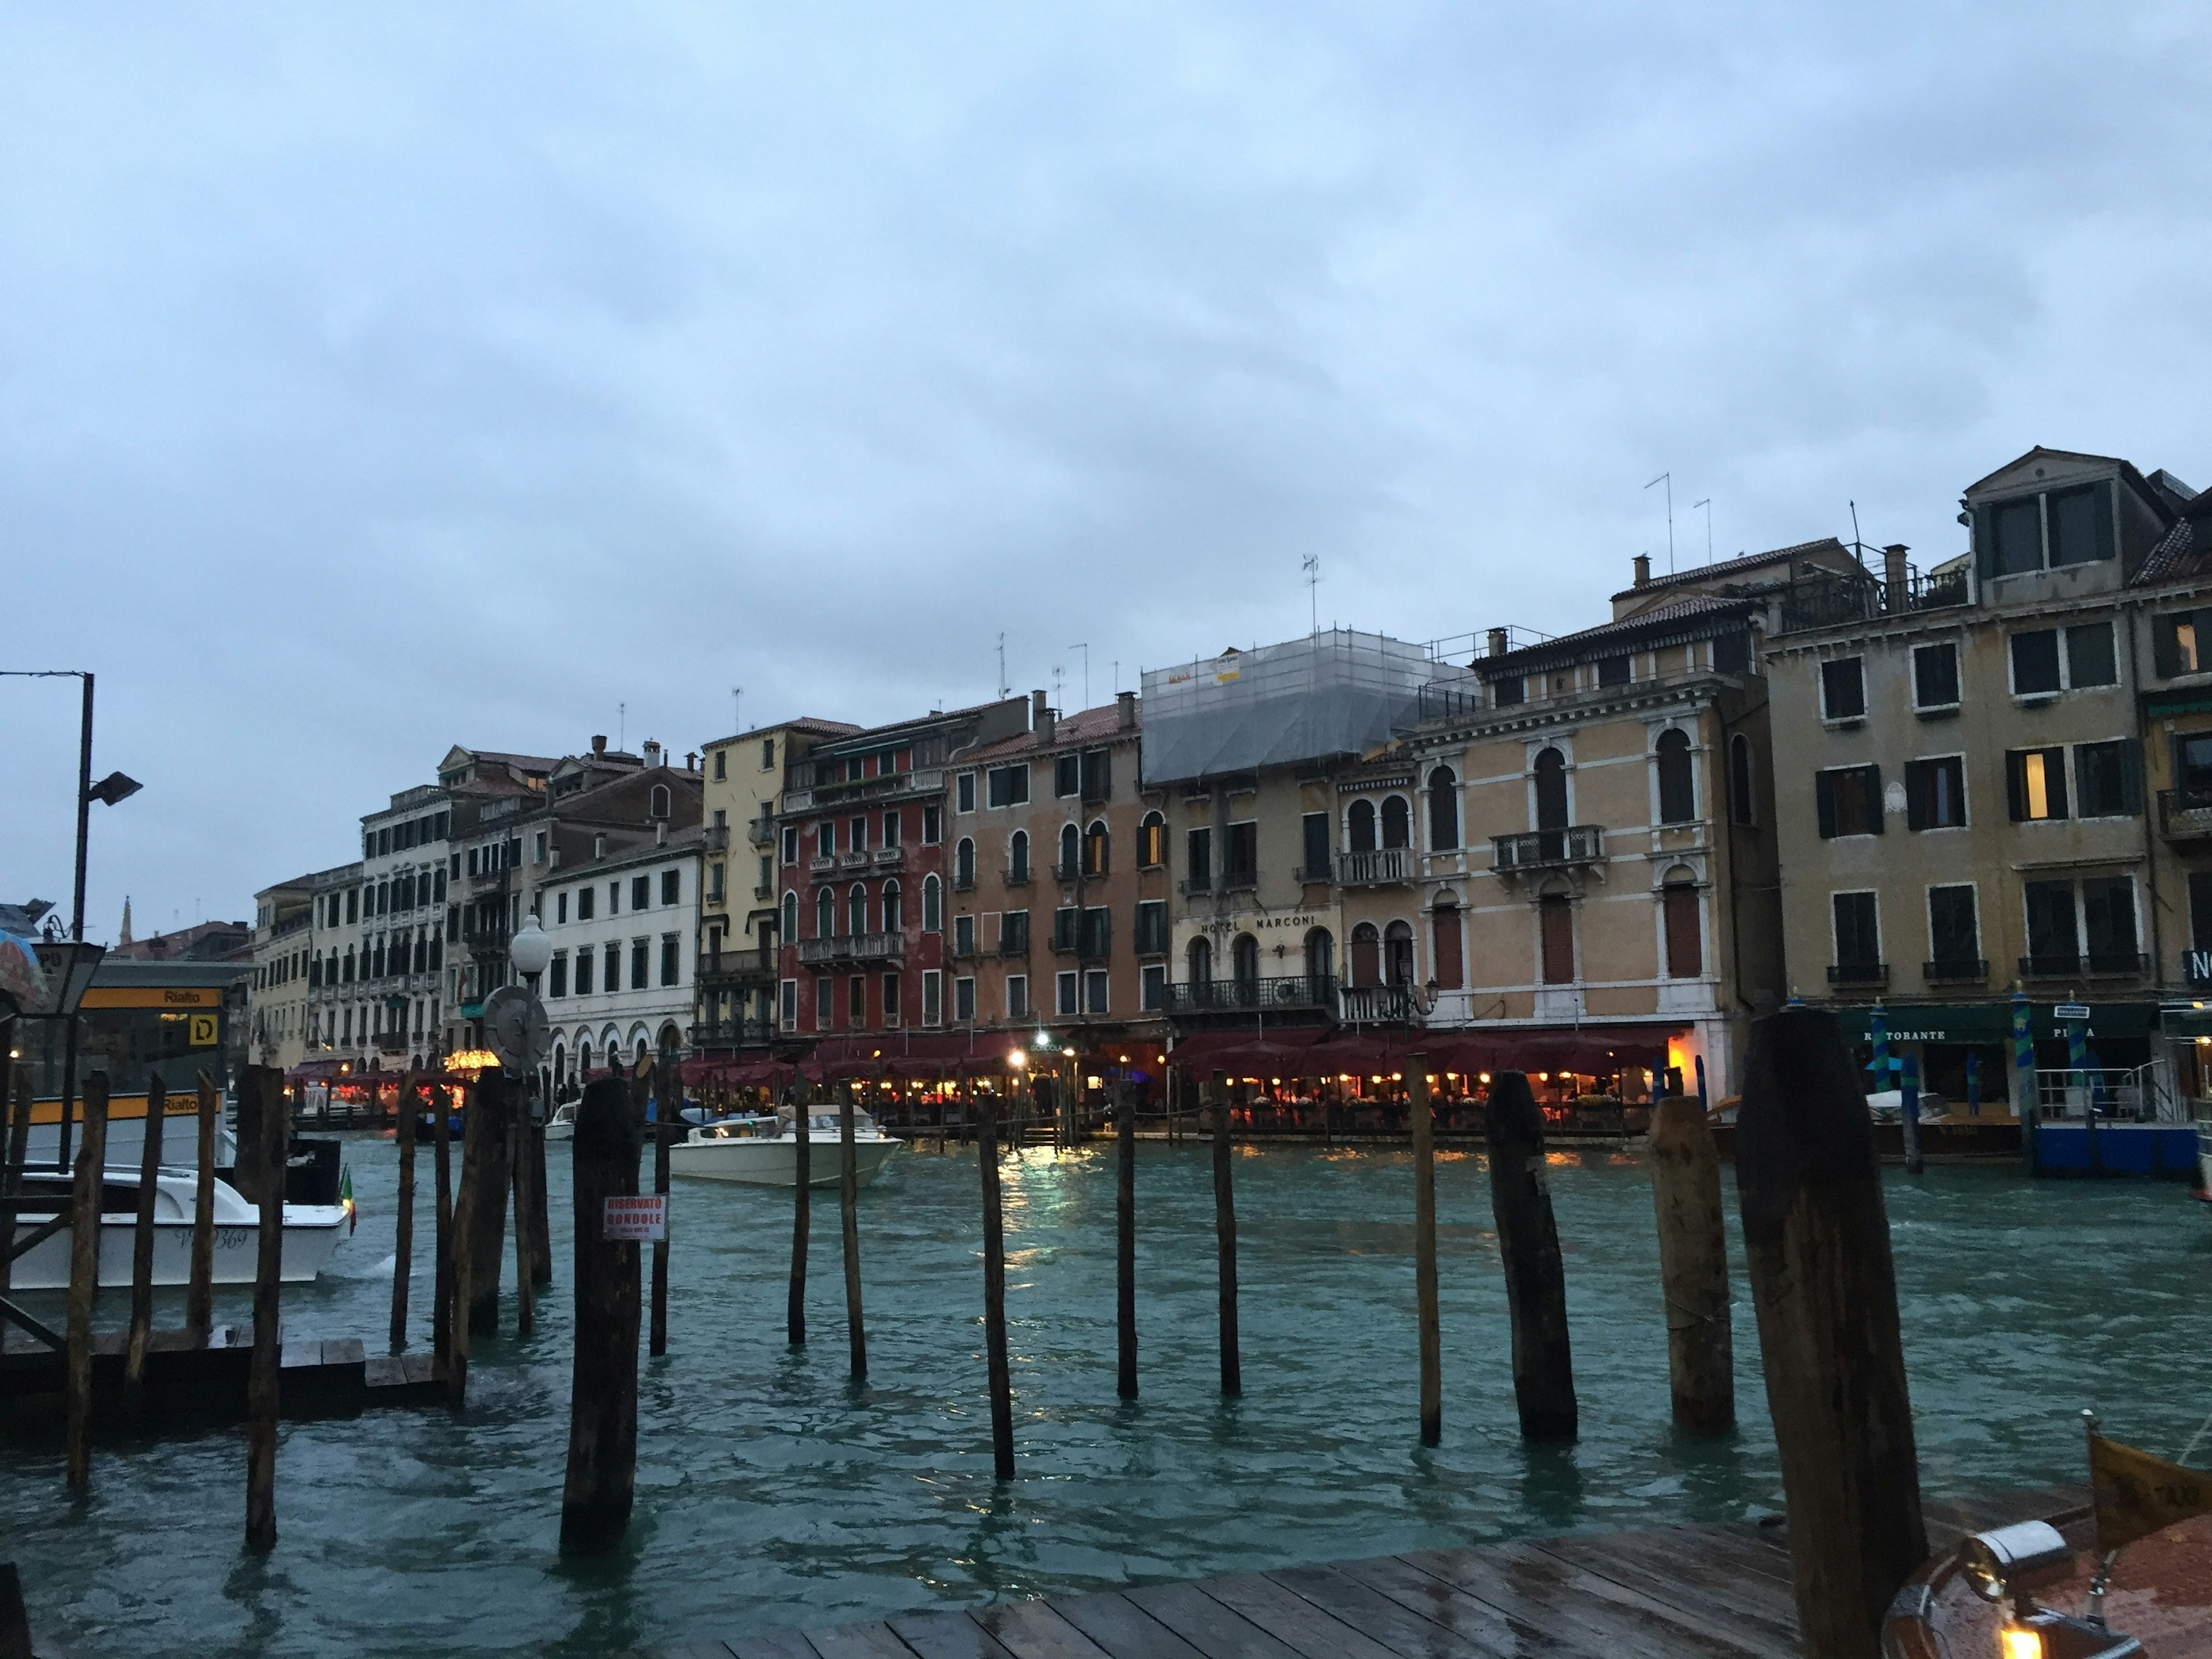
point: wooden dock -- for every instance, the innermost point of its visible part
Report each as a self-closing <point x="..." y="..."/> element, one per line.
<point x="1700" y="1592"/>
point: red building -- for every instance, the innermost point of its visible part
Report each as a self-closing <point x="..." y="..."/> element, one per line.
<point x="863" y="872"/>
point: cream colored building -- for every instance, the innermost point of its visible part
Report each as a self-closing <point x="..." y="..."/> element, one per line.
<point x="290" y="932"/>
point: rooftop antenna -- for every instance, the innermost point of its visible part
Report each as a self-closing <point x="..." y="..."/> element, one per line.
<point x="622" y="726"/>
<point x="1311" y="565"/>
<point x="1117" y="676"/>
<point x="1708" y="505"/>
<point x="1084" y="647"/>
<point x="1667" y="478"/>
<point x="1057" y="670"/>
<point x="1004" y="688"/>
<point x="737" y="703"/>
<point x="1858" y="547"/>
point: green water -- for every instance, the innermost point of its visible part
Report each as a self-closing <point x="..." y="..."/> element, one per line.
<point x="771" y="1493"/>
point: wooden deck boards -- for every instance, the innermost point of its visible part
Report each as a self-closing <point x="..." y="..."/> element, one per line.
<point x="1696" y="1592"/>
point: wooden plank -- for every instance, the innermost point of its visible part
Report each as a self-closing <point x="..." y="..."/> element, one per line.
<point x="1547" y="1592"/>
<point x="1121" y="1627"/>
<point x="384" y="1371"/>
<point x="946" y="1636"/>
<point x="782" y="1645"/>
<point x="1757" y="1615"/>
<point x="343" y="1350"/>
<point x="1031" y="1630"/>
<point x="421" y="1367"/>
<point x="296" y="1354"/>
<point x="1306" y="1625"/>
<point x="1483" y="1628"/>
<point x="1384" y="1625"/>
<point x="1214" y="1630"/>
<point x="869" y="1641"/>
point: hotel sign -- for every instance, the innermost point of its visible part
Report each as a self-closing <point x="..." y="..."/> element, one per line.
<point x="2196" y="967"/>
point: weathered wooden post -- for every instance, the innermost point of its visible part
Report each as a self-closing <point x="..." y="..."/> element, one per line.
<point x="802" y="1153"/>
<point x="15" y="1619"/>
<point x="1686" y="1191"/>
<point x="250" y="1140"/>
<point x="1125" y="1240"/>
<point x="664" y="1121"/>
<point x="541" y="1221"/>
<point x="995" y="1294"/>
<point x="460" y="1274"/>
<point x="262" y="1380"/>
<point x="141" y="1244"/>
<point x="526" y="1276"/>
<point x="84" y="1274"/>
<point x="1816" y="1242"/>
<point x="403" y="1250"/>
<point x="595" y="1501"/>
<point x="1425" y="1250"/>
<point x="442" y="1296"/>
<point x="1528" y="1245"/>
<point x="1225" y="1236"/>
<point x="199" y="1294"/>
<point x="848" y="1208"/>
<point x="1908" y="1114"/>
<point x="18" y="1086"/>
<point x="484" y="1182"/>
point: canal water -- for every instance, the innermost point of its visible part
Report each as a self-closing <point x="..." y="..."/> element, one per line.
<point x="772" y="1492"/>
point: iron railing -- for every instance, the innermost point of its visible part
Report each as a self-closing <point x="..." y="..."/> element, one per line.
<point x="1212" y="996"/>
<point x="1383" y="866"/>
<point x="2097" y="964"/>
<point x="851" y="947"/>
<point x="1960" y="970"/>
<point x="1377" y="1005"/>
<point x="1859" y="973"/>
<point x="1538" y="850"/>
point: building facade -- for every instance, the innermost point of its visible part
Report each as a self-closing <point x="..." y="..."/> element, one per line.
<point x="290" y="940"/>
<point x="623" y="926"/>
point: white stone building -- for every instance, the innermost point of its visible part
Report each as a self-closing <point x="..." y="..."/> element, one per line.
<point x="624" y="927"/>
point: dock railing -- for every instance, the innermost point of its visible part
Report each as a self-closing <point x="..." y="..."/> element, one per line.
<point x="2140" y="1094"/>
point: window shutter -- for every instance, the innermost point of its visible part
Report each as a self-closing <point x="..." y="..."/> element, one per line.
<point x="1916" y="794"/>
<point x="1824" y="792"/>
<point x="1874" y="799"/>
<point x="2131" y="793"/>
<point x="2015" y="784"/>
<point x="1986" y="545"/>
<point x="2054" y="763"/>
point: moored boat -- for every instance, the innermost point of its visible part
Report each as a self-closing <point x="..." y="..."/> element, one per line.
<point x="757" y="1151"/>
<point x="311" y="1231"/>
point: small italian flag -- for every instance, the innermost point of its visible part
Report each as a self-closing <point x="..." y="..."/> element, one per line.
<point x="345" y="1199"/>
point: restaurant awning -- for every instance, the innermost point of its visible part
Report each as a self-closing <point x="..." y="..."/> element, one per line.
<point x="1990" y="1021"/>
<point x="1307" y="1052"/>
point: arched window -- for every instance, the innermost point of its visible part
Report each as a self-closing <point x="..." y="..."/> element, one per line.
<point x="584" y="1063"/>
<point x="1397" y="822"/>
<point x="1444" y="809"/>
<point x="1678" y="905"/>
<point x="1552" y="802"/>
<point x="894" y="917"/>
<point x="856" y="909"/>
<point x="1096" y="846"/>
<point x="1398" y="952"/>
<point x="1739" y="806"/>
<point x="1017" y="856"/>
<point x="1244" y="958"/>
<point x="1321" y="955"/>
<point x="825" y="913"/>
<point x="1070" y="852"/>
<point x="963" y="865"/>
<point x="1359" y="829"/>
<point x="932" y="905"/>
<point x="1678" y="791"/>
<point x="791" y="915"/>
<point x="1444" y="958"/>
<point x="1201" y="963"/>
<point x="660" y="806"/>
<point x="1366" y="955"/>
<point x="1152" y="840"/>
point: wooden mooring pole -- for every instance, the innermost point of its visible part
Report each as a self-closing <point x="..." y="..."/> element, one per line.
<point x="596" y="1499"/>
<point x="1224" y="1238"/>
<point x="461" y="1249"/>
<point x="484" y="1182"/>
<point x="84" y="1275"/>
<point x="541" y="1221"/>
<point x="1125" y="1240"/>
<point x="1424" y="1249"/>
<point x="199" y="1289"/>
<point x="802" y="1153"/>
<point x="1816" y="1242"/>
<point x="848" y="1210"/>
<point x="263" y="1379"/>
<point x="525" y="1274"/>
<point x="665" y="1124"/>
<point x="995" y="1294"/>
<point x="402" y="1248"/>
<point x="1528" y="1245"/>
<point x="14" y="1621"/>
<point x="1694" y="1277"/>
<point x="141" y="1245"/>
<point x="442" y="1294"/>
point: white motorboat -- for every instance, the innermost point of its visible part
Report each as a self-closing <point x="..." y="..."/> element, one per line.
<point x="562" y="1125"/>
<point x="311" y="1231"/>
<point x="764" y="1152"/>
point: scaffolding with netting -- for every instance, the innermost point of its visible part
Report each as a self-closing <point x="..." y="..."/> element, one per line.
<point x="1336" y="692"/>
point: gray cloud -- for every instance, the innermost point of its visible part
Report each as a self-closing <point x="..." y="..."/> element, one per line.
<point x="373" y="379"/>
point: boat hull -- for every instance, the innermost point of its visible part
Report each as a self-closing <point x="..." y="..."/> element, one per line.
<point x="311" y="1233"/>
<point x="765" y="1163"/>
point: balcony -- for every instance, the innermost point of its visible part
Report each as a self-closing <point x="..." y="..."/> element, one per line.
<point x="734" y="1033"/>
<point x="1378" y="1005"/>
<point x="2184" y="815"/>
<point x="851" y="947"/>
<point x="1018" y="878"/>
<point x="1388" y="865"/>
<point x="725" y="968"/>
<point x="1323" y="872"/>
<point x="1302" y="992"/>
<point x="760" y="831"/>
<point x="1231" y="880"/>
<point x="822" y="867"/>
<point x="1013" y="945"/>
<point x="845" y="791"/>
<point x="1960" y="972"/>
<point x="1548" y="849"/>
<point x="715" y="838"/>
<point x="2098" y="965"/>
<point x="1859" y="975"/>
<point x="1066" y="869"/>
<point x="888" y="858"/>
<point x="850" y="861"/>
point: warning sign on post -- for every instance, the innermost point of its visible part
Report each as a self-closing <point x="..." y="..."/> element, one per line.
<point x="643" y="1217"/>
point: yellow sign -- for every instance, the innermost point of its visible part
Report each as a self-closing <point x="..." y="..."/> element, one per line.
<point x="2138" y="1494"/>
<point x="201" y="1034"/>
<point x="163" y="996"/>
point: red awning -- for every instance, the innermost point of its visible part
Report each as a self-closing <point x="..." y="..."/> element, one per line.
<point x="1246" y="1052"/>
<point x="1306" y="1052"/>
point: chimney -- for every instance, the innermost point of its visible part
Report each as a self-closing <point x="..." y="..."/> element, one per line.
<point x="1497" y="641"/>
<point x="1642" y="571"/>
<point x="599" y="744"/>
<point x="691" y="760"/>
<point x="660" y="832"/>
<point x="1895" y="575"/>
<point x="599" y="842"/>
<point x="1042" y="720"/>
<point x="652" y="753"/>
<point x="1126" y="707"/>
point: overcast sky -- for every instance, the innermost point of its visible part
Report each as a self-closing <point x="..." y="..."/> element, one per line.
<point x="374" y="379"/>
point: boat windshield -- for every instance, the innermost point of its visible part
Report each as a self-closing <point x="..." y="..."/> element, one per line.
<point x="863" y="1124"/>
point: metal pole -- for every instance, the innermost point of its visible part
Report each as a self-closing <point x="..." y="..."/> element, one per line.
<point x="76" y="915"/>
